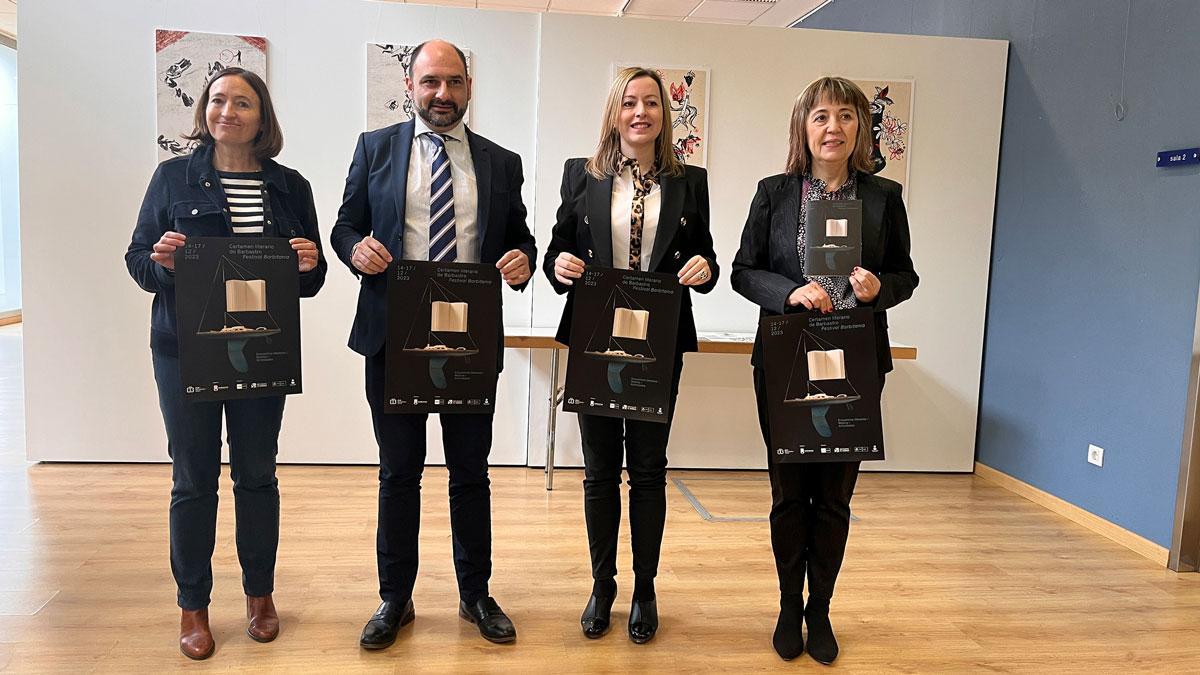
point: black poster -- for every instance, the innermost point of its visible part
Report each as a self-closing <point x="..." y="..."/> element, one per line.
<point x="833" y="236"/>
<point x="238" y="318"/>
<point x="622" y="352"/>
<point x="443" y="334"/>
<point x="823" y="386"/>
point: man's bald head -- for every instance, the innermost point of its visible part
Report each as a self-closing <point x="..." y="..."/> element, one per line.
<point x="442" y="49"/>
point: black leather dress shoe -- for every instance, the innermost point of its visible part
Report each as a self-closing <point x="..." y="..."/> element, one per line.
<point x="596" y="615"/>
<point x="643" y="621"/>
<point x="380" y="632"/>
<point x="493" y="624"/>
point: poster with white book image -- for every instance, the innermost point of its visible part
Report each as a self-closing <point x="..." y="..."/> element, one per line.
<point x="822" y="386"/>
<point x="833" y="237"/>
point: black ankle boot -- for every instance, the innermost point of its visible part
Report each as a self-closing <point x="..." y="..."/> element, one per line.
<point x="788" y="639"/>
<point x="596" y="618"/>
<point x="643" y="620"/>
<point x="822" y="645"/>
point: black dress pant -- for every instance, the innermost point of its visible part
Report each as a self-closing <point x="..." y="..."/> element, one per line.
<point x="642" y="446"/>
<point x="467" y="439"/>
<point x="810" y="515"/>
<point x="194" y="444"/>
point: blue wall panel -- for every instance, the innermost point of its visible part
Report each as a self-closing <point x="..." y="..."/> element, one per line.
<point x="1095" y="253"/>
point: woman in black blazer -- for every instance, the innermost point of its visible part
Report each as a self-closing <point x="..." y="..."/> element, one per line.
<point x="828" y="158"/>
<point x="632" y="205"/>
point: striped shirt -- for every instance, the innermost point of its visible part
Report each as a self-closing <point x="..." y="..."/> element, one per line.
<point x="244" y="193"/>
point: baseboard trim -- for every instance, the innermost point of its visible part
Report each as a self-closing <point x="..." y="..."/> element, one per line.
<point x="6" y="319"/>
<point x="1130" y="540"/>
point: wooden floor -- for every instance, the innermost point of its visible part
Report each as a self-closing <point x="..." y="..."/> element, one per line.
<point x="943" y="573"/>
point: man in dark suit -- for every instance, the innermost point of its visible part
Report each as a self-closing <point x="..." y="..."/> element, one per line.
<point x="430" y="189"/>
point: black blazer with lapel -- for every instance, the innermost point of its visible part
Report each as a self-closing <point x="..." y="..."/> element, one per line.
<point x="374" y="204"/>
<point x="767" y="267"/>
<point x="584" y="229"/>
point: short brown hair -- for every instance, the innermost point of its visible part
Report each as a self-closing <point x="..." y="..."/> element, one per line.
<point x="607" y="159"/>
<point x="840" y="91"/>
<point x="269" y="140"/>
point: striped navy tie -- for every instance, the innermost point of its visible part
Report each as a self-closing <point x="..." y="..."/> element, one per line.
<point x="441" y="205"/>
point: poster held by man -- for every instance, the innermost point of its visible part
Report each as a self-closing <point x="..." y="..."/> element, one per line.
<point x="238" y="318"/>
<point x="443" y="337"/>
<point x="823" y="386"/>
<point x="622" y="356"/>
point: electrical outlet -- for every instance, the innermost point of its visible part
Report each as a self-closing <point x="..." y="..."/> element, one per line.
<point x="1095" y="455"/>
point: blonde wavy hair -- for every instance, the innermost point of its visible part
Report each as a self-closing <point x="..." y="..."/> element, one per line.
<point x="839" y="91"/>
<point x="607" y="159"/>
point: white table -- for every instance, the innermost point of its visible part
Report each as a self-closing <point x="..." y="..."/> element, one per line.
<point x="542" y="337"/>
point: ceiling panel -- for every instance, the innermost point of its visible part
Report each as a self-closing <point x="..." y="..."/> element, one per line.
<point x="539" y="5"/>
<point x="786" y="12"/>
<point x="448" y="3"/>
<point x="743" y="12"/>
<point x="661" y="8"/>
<point x="609" y="7"/>
<point x="8" y="18"/>
<point x="728" y="22"/>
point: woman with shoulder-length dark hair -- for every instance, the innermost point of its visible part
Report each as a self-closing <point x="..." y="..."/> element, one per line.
<point x="229" y="186"/>
<point x="632" y="205"/>
<point x="829" y="150"/>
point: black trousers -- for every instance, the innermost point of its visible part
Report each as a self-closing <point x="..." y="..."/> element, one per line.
<point x="810" y="515"/>
<point x="609" y="442"/>
<point x="401" y="438"/>
<point x="194" y="444"/>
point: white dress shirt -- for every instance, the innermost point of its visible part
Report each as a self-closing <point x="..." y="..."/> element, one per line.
<point x="622" y="208"/>
<point x="416" y="206"/>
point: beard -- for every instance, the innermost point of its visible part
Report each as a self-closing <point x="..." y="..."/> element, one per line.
<point x="440" y="120"/>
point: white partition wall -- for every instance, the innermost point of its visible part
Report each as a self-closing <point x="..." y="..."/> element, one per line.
<point x="87" y="132"/>
<point x="755" y="73"/>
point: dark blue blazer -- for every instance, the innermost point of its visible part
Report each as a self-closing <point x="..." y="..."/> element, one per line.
<point x="583" y="228"/>
<point x="185" y="196"/>
<point x="374" y="204"/>
<point x="767" y="267"/>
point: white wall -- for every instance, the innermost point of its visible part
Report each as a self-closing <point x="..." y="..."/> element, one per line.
<point x="756" y="74"/>
<point x="539" y="87"/>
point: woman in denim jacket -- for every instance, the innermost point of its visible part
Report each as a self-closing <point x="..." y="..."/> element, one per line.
<point x="228" y="186"/>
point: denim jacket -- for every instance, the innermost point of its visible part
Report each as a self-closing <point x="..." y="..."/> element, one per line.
<point x="185" y="196"/>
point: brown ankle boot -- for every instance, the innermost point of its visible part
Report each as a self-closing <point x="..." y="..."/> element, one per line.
<point x="264" y="621"/>
<point x="195" y="638"/>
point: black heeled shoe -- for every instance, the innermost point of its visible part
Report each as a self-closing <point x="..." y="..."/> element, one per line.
<point x="643" y="621"/>
<point x="596" y="619"/>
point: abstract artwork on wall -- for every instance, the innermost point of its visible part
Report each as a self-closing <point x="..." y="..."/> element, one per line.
<point x="891" y="127"/>
<point x="388" y="101"/>
<point x="687" y="92"/>
<point x="184" y="63"/>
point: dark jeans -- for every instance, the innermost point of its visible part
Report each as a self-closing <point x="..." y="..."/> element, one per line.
<point x="194" y="444"/>
<point x="607" y="442"/>
<point x="467" y="440"/>
<point x="810" y="515"/>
